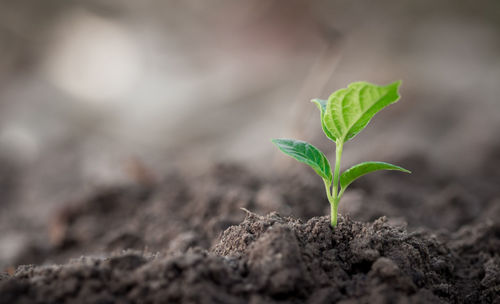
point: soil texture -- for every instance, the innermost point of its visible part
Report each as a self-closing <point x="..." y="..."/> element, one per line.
<point x="425" y="238"/>
<point x="273" y="259"/>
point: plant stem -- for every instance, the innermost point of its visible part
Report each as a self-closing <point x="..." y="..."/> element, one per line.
<point x="332" y="200"/>
<point x="336" y="191"/>
<point x="333" y="214"/>
<point x="328" y="191"/>
<point x="338" y="154"/>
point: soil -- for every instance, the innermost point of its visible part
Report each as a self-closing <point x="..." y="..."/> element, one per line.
<point x="429" y="237"/>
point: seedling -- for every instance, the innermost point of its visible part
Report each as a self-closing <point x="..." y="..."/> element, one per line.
<point x="345" y="113"/>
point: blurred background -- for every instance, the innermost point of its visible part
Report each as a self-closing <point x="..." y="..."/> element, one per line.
<point x="91" y="91"/>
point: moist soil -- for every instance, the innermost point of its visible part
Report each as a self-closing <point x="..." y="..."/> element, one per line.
<point x="428" y="237"/>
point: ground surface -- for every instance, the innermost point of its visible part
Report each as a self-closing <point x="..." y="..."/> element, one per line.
<point x="190" y="241"/>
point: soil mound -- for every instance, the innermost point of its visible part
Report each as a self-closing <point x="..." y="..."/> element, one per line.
<point x="175" y="213"/>
<point x="274" y="259"/>
<point x="186" y="239"/>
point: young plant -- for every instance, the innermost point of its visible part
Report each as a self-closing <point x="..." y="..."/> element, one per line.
<point x="345" y="113"/>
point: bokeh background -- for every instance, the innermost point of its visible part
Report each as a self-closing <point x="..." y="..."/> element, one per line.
<point x="93" y="92"/>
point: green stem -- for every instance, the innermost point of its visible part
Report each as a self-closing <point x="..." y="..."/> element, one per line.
<point x="333" y="215"/>
<point x="340" y="194"/>
<point x="331" y="199"/>
<point x="336" y="191"/>
<point x="328" y="191"/>
<point x="336" y="173"/>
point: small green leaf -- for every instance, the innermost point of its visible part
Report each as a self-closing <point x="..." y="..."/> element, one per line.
<point x="349" y="110"/>
<point x="307" y="154"/>
<point x="359" y="170"/>
<point x="321" y="103"/>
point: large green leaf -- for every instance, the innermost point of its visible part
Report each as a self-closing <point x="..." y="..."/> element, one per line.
<point x="321" y="103"/>
<point x="359" y="170"/>
<point x="307" y="154"/>
<point x="349" y="110"/>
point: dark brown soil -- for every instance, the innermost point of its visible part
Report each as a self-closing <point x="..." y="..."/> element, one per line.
<point x="174" y="214"/>
<point x="185" y="241"/>
<point x="274" y="259"/>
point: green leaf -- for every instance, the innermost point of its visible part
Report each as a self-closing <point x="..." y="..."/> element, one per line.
<point x="359" y="170"/>
<point x="321" y="103"/>
<point x="307" y="154"/>
<point x="349" y="110"/>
